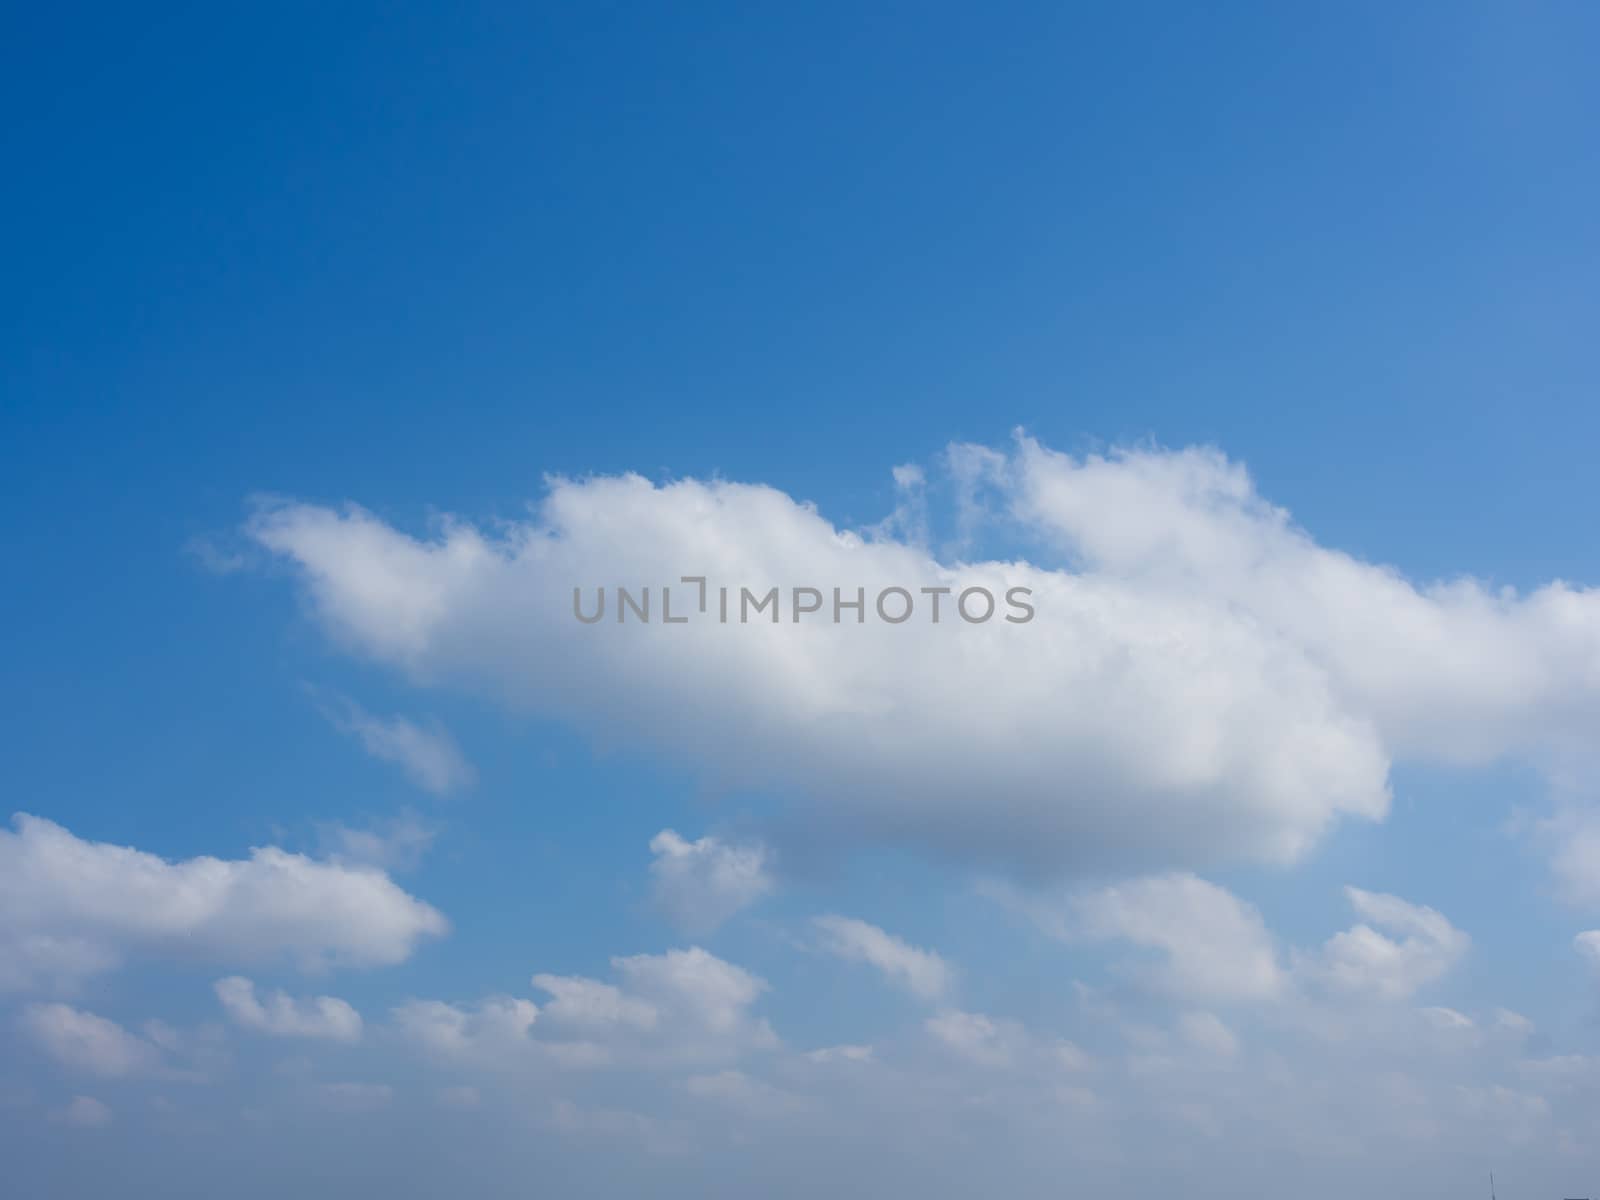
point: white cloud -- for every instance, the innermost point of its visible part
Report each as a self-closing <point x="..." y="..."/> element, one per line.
<point x="1588" y="945"/>
<point x="1454" y="672"/>
<point x="70" y="908"/>
<point x="82" y="1041"/>
<point x="681" y="1007"/>
<point x="922" y="972"/>
<point x="845" y="1053"/>
<point x="395" y="844"/>
<point x="743" y="1094"/>
<point x="700" y="884"/>
<point x="214" y="558"/>
<point x="427" y="754"/>
<point x="1205" y="683"/>
<point x="281" y="1015"/>
<point x="1447" y="1019"/>
<point x="1363" y="959"/>
<point x="1122" y="724"/>
<point x="1573" y="837"/>
<point x="581" y="1003"/>
<point x="704" y="1001"/>
<point x="1206" y="1031"/>
<point x="85" y="1112"/>
<point x="997" y="1043"/>
<point x="1213" y="944"/>
<point x="489" y="1031"/>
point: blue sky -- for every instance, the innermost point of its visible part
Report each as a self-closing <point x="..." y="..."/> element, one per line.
<point x="465" y="268"/>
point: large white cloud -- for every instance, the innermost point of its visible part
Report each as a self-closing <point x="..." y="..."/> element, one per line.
<point x="70" y="908"/>
<point x="1122" y="723"/>
<point x="1202" y="681"/>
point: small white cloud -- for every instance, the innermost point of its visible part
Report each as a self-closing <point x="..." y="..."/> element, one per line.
<point x="922" y="972"/>
<point x="828" y="1054"/>
<point x="1215" y="945"/>
<point x="393" y="845"/>
<point x="213" y="558"/>
<point x="1447" y="1019"/>
<point x="909" y="475"/>
<point x="488" y="1032"/>
<point x="973" y="1036"/>
<point x="1363" y="959"/>
<point x="280" y="1015"/>
<point x="684" y="1006"/>
<point x="427" y="754"/>
<point x="999" y="1043"/>
<point x="698" y="885"/>
<point x="1588" y="945"/>
<point x="84" y="1112"/>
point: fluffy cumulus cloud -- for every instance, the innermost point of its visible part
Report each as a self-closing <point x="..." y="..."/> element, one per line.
<point x="71" y="908"/>
<point x="1120" y="723"/>
<point x="700" y="884"/>
<point x="1202" y="680"/>
<point x="1423" y="947"/>
<point x="1454" y="672"/>
<point x="921" y="972"/>
<point x="280" y="1015"/>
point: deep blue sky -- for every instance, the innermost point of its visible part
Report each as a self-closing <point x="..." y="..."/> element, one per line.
<point x="394" y="253"/>
<point x="421" y="256"/>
